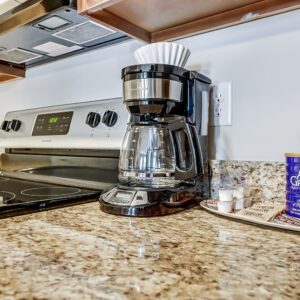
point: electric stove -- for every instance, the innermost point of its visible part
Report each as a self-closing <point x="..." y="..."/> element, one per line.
<point x="24" y="196"/>
<point x="59" y="156"/>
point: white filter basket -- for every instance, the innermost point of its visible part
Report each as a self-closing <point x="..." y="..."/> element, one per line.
<point x="163" y="53"/>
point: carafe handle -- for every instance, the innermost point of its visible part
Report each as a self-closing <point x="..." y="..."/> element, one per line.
<point x="182" y="174"/>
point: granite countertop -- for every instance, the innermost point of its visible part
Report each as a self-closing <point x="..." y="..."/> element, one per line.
<point x="81" y="253"/>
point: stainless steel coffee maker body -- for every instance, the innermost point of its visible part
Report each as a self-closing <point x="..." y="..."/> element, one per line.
<point x="163" y="158"/>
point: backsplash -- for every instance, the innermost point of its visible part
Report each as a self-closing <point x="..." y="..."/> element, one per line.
<point x="262" y="180"/>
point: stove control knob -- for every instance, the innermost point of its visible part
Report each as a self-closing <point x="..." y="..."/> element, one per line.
<point x="93" y="119"/>
<point x="110" y="118"/>
<point x="15" y="125"/>
<point x="5" y="125"/>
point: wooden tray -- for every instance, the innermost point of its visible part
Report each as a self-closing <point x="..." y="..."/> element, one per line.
<point x="282" y="221"/>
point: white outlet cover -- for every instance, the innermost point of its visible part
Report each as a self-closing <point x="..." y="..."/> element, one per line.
<point x="220" y="104"/>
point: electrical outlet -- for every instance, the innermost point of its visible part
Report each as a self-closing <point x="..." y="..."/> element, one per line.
<point x="220" y="104"/>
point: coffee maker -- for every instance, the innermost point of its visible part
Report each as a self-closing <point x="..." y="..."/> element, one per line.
<point x="163" y="165"/>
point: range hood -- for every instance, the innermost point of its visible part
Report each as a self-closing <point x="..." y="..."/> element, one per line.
<point x="34" y="32"/>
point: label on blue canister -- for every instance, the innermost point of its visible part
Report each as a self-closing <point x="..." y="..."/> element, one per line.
<point x="292" y="207"/>
<point x="293" y="173"/>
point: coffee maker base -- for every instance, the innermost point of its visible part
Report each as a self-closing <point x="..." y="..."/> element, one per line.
<point x="143" y="202"/>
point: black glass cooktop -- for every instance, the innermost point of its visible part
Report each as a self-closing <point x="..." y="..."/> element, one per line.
<point x="23" y="196"/>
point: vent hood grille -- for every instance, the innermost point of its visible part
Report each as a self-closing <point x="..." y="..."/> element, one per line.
<point x="57" y="34"/>
<point x="84" y="33"/>
<point x="18" y="56"/>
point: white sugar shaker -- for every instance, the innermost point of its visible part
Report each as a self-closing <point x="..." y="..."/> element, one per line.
<point x="225" y="194"/>
<point x="238" y="204"/>
<point x="225" y="206"/>
<point x="225" y="200"/>
<point x="238" y="192"/>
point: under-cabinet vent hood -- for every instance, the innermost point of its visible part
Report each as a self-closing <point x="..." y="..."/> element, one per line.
<point x="33" y="32"/>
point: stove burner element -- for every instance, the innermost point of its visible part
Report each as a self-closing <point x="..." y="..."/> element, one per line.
<point x="50" y="191"/>
<point x="5" y="197"/>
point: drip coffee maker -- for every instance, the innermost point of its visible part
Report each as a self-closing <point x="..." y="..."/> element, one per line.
<point x="163" y="159"/>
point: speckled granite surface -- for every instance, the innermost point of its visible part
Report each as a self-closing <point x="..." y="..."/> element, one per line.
<point x="263" y="180"/>
<point x="82" y="253"/>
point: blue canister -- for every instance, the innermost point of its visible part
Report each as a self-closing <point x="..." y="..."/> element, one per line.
<point x="293" y="172"/>
<point x="292" y="207"/>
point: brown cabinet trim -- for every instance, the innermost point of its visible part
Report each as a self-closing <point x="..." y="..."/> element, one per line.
<point x="119" y="24"/>
<point x="98" y="11"/>
<point x="262" y="9"/>
<point x="10" y="73"/>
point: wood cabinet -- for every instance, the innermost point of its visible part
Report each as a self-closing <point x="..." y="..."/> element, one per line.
<point x="8" y="73"/>
<point x="165" y="20"/>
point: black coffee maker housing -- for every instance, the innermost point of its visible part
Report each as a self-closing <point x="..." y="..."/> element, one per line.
<point x="168" y="106"/>
<point x="154" y="90"/>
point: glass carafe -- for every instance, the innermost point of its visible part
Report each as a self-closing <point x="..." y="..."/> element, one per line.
<point x="157" y="155"/>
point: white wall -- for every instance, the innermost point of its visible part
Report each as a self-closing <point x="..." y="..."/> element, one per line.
<point x="261" y="59"/>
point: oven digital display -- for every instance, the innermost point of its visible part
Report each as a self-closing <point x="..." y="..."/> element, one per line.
<point x="53" y="120"/>
<point x="53" y="124"/>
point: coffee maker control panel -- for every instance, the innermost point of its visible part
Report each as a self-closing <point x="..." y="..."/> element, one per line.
<point x="119" y="197"/>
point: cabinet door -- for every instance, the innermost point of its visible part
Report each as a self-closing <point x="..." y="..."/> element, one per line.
<point x="90" y="5"/>
<point x="162" y="20"/>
